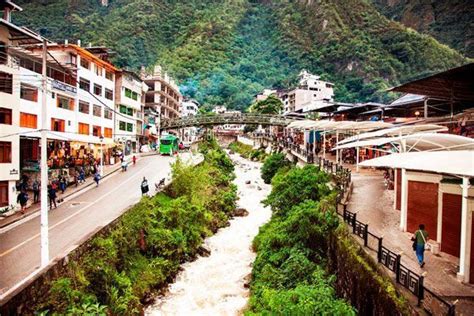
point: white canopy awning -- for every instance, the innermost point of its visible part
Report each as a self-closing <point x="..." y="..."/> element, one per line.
<point x="419" y="142"/>
<point x="458" y="162"/>
<point x="397" y="131"/>
<point x="329" y="126"/>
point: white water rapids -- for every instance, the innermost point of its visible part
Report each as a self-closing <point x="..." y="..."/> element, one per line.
<point x="214" y="285"/>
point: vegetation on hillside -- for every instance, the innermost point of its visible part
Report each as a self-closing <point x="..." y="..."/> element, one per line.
<point x="446" y="20"/>
<point x="225" y="52"/>
<point x="289" y="275"/>
<point x="144" y="249"/>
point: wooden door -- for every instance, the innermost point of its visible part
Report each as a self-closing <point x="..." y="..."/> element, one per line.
<point x="451" y="224"/>
<point x="423" y="207"/>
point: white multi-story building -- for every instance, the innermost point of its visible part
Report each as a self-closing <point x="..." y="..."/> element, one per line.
<point x="189" y="107"/>
<point x="129" y="94"/>
<point x="10" y="36"/>
<point x="311" y="94"/>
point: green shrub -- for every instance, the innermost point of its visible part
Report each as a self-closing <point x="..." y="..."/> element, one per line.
<point x="295" y="186"/>
<point x="272" y="164"/>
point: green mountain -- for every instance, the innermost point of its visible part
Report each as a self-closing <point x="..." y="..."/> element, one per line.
<point x="224" y="52"/>
<point x="449" y="21"/>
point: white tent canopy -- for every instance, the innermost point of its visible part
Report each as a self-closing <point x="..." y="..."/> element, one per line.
<point x="338" y="125"/>
<point x="419" y="142"/>
<point x="397" y="131"/>
<point x="458" y="162"/>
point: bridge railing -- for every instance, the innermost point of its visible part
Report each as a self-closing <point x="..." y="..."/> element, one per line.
<point x="226" y="118"/>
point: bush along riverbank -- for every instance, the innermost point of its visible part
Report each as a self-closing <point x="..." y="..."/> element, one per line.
<point x="247" y="151"/>
<point x="143" y="251"/>
<point x="306" y="262"/>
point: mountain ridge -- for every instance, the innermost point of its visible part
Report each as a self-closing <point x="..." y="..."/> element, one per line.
<point x="224" y="52"/>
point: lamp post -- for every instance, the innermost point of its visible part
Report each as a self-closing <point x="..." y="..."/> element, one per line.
<point x="101" y="156"/>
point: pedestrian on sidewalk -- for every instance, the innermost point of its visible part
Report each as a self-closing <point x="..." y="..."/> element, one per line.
<point x="82" y="175"/>
<point x="144" y="186"/>
<point x="22" y="199"/>
<point x="420" y="239"/>
<point x="52" y="196"/>
<point x="62" y="183"/>
<point x="97" y="178"/>
<point x="134" y="159"/>
<point x="36" y="191"/>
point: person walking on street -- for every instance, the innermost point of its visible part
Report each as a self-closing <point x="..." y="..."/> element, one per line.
<point x="62" y="184"/>
<point x="97" y="178"/>
<point x="82" y="175"/>
<point x="36" y="191"/>
<point x="419" y="244"/>
<point x="52" y="196"/>
<point x="22" y="199"/>
<point x="134" y="159"/>
<point x="144" y="186"/>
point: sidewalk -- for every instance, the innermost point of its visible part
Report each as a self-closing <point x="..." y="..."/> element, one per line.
<point x="373" y="203"/>
<point x="71" y="190"/>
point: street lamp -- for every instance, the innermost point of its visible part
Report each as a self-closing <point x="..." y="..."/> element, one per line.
<point x="101" y="156"/>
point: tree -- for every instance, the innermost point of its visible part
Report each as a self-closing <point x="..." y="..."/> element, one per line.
<point x="272" y="165"/>
<point x="271" y="105"/>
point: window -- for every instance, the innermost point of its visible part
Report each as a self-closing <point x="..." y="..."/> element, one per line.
<point x="97" y="110"/>
<point x="98" y="71"/>
<point x="28" y="92"/>
<point x="107" y="132"/>
<point x="83" y="107"/>
<point x="5" y="116"/>
<point x="85" y="63"/>
<point x="108" y="114"/>
<point x="109" y="75"/>
<point x="129" y="127"/>
<point x="109" y="94"/>
<point x="96" y="131"/>
<point x="28" y="120"/>
<point x="130" y="111"/>
<point x="5" y="152"/>
<point x="97" y="89"/>
<point x="64" y="102"/>
<point x="83" y="129"/>
<point x="57" y="125"/>
<point x="73" y="59"/>
<point x="84" y="84"/>
<point x="123" y="109"/>
<point x="131" y="94"/>
<point x="6" y="82"/>
<point x="3" y="193"/>
<point x="122" y="126"/>
<point x="3" y="53"/>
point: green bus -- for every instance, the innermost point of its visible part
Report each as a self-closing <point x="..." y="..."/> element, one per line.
<point x="168" y="144"/>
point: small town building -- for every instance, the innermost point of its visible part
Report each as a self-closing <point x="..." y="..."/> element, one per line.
<point x="310" y="94"/>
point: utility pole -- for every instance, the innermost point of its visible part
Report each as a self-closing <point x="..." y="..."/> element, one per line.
<point x="44" y="164"/>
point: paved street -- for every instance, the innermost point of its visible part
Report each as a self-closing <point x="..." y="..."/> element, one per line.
<point x="75" y="219"/>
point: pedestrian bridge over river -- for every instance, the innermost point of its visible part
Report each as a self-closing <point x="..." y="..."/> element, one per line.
<point x="226" y="118"/>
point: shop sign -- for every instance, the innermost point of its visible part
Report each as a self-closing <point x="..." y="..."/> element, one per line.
<point x="13" y="171"/>
<point x="63" y="86"/>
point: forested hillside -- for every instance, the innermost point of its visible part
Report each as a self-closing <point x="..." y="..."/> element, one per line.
<point x="449" y="21"/>
<point x="224" y="52"/>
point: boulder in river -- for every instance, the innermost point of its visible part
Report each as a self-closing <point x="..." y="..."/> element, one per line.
<point x="247" y="182"/>
<point x="259" y="188"/>
<point x="203" y="251"/>
<point x="241" y="212"/>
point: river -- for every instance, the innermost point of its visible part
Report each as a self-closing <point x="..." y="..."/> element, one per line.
<point x="214" y="285"/>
